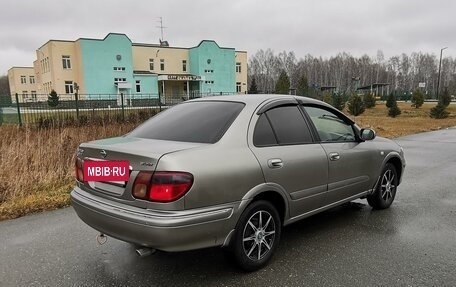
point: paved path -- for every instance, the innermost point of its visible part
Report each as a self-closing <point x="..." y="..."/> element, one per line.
<point x="411" y="244"/>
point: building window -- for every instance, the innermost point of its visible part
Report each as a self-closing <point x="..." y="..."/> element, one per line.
<point x="117" y="80"/>
<point x="33" y="95"/>
<point x="24" y="93"/>
<point x="23" y="80"/>
<point x="138" y="86"/>
<point x="238" y="67"/>
<point x="32" y="79"/>
<point x="238" y="87"/>
<point x="69" y="87"/>
<point x="151" y="64"/>
<point x="184" y="65"/>
<point x="66" y="62"/>
<point x="119" y="68"/>
<point x="162" y="64"/>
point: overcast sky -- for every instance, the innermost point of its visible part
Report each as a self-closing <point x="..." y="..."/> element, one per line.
<point x="321" y="28"/>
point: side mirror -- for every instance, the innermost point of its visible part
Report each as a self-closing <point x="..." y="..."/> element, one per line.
<point x="367" y="134"/>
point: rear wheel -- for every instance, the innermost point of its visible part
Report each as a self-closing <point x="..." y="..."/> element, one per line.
<point x="385" y="192"/>
<point x="257" y="235"/>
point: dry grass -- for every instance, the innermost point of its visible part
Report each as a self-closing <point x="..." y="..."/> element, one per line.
<point x="36" y="166"/>
<point x="410" y="121"/>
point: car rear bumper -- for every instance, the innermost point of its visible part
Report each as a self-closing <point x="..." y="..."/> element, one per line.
<point x="162" y="230"/>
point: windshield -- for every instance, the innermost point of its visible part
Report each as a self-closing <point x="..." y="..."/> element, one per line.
<point x="200" y="122"/>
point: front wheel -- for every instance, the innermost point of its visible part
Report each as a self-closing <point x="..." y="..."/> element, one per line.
<point x="385" y="192"/>
<point x="257" y="235"/>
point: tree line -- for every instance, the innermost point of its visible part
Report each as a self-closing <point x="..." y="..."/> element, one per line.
<point x="345" y="72"/>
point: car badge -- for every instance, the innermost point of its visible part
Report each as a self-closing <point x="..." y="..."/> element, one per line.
<point x="103" y="153"/>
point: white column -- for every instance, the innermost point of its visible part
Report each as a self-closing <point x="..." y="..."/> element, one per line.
<point x="188" y="91"/>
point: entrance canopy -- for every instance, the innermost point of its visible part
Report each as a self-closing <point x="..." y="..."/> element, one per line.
<point x="182" y="77"/>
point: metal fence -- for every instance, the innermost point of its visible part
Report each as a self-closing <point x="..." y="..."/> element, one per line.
<point x="81" y="109"/>
<point x="64" y="110"/>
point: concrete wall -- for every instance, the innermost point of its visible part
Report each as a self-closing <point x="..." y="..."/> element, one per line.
<point x="216" y="64"/>
<point x="172" y="57"/>
<point x="241" y="57"/>
<point x="14" y="78"/>
<point x="98" y="59"/>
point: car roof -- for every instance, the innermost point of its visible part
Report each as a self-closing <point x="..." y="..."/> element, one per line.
<point x="258" y="98"/>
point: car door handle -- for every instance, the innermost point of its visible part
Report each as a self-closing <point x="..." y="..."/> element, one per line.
<point x="333" y="156"/>
<point x="275" y="163"/>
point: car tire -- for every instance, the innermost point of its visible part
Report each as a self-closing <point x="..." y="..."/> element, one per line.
<point x="385" y="191"/>
<point x="257" y="236"/>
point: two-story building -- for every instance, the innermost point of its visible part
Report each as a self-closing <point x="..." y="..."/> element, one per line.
<point x="100" y="68"/>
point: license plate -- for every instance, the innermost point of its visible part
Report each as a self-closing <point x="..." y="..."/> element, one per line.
<point x="112" y="171"/>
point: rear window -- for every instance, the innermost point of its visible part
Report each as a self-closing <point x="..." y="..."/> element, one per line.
<point x="199" y="122"/>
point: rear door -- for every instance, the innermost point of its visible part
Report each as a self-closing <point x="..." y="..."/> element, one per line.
<point x="350" y="160"/>
<point x="289" y="157"/>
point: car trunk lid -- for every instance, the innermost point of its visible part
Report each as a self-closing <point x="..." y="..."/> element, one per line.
<point x="142" y="155"/>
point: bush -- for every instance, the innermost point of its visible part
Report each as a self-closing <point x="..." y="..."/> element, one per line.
<point x="369" y="101"/>
<point x="355" y="105"/>
<point x="339" y="102"/>
<point x="417" y="98"/>
<point x="439" y="112"/>
<point x="327" y="98"/>
<point x="53" y="99"/>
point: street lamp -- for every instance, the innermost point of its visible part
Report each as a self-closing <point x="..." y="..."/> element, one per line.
<point x="440" y="66"/>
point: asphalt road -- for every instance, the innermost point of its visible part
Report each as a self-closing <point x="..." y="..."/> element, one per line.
<point x="411" y="244"/>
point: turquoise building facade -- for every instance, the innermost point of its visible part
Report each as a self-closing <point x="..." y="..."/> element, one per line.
<point x="217" y="66"/>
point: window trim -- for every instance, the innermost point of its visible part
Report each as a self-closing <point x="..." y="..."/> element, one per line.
<point x="282" y="103"/>
<point x="66" y="62"/>
<point x="345" y="119"/>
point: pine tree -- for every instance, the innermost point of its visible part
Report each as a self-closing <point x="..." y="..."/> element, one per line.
<point x="391" y="100"/>
<point x="355" y="105"/>
<point x="303" y="86"/>
<point x="439" y="112"/>
<point x="339" y="101"/>
<point x="417" y="98"/>
<point x="369" y="100"/>
<point x="283" y="84"/>
<point x="327" y="98"/>
<point x="253" y="87"/>
<point x="53" y="99"/>
<point x="393" y="109"/>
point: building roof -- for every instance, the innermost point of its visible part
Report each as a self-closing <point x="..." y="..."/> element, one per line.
<point x="373" y="86"/>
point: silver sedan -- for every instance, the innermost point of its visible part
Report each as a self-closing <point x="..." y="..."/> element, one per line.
<point x="231" y="171"/>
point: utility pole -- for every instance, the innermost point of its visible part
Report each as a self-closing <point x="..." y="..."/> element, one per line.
<point x="440" y="67"/>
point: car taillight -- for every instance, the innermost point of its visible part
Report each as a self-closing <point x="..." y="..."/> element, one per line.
<point x="78" y="171"/>
<point x="162" y="186"/>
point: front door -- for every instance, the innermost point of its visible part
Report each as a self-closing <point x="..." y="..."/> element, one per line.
<point x="349" y="159"/>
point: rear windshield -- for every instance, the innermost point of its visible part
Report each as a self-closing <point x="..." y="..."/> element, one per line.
<point x="199" y="122"/>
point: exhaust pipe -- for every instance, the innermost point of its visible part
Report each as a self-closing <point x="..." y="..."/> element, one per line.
<point x="145" y="251"/>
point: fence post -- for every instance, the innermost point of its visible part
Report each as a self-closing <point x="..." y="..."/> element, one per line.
<point x="123" y="111"/>
<point x="77" y="105"/>
<point x="159" y="102"/>
<point x="18" y="110"/>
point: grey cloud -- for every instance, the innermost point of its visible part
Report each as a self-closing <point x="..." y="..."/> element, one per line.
<point x="321" y="28"/>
